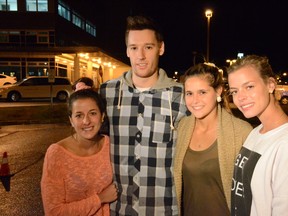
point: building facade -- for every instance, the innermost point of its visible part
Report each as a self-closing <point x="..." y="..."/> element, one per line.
<point x="48" y="37"/>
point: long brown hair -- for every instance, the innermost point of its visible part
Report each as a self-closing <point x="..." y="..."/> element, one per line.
<point x="214" y="77"/>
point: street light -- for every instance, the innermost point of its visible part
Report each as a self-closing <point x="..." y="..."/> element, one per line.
<point x="230" y="62"/>
<point x="208" y="14"/>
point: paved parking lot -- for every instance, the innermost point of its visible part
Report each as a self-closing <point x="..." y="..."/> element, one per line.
<point x="26" y="146"/>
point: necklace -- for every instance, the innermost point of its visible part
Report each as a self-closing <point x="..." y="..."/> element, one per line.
<point x="202" y="140"/>
<point x="274" y="124"/>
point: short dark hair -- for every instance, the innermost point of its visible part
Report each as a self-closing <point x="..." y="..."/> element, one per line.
<point x="88" y="81"/>
<point x="141" y="23"/>
<point x="83" y="94"/>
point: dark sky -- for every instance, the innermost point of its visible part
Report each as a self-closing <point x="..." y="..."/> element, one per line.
<point x="248" y="26"/>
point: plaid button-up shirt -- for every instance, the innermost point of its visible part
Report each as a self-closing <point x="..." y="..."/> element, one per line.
<point x="142" y="144"/>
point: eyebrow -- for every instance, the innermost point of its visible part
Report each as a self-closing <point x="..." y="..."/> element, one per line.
<point x="246" y="83"/>
<point x="145" y="44"/>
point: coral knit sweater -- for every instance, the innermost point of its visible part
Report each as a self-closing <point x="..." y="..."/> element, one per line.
<point x="70" y="183"/>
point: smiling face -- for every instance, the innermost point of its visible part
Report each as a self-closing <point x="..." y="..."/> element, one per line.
<point x="86" y="118"/>
<point x="200" y="97"/>
<point x="250" y="92"/>
<point x="144" y="50"/>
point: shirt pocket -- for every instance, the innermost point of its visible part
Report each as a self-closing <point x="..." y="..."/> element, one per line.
<point x="161" y="131"/>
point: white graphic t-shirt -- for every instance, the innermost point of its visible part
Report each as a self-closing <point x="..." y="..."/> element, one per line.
<point x="260" y="180"/>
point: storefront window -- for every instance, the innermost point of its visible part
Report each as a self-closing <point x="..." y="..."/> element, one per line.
<point x="61" y="70"/>
<point x="37" y="68"/>
<point x="9" y="70"/>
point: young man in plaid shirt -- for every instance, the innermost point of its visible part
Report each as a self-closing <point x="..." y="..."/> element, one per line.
<point x="144" y="107"/>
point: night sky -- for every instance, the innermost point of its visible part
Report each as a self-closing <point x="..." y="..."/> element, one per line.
<point x="250" y="27"/>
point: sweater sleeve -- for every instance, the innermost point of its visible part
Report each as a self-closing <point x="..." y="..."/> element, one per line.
<point x="53" y="190"/>
<point x="280" y="181"/>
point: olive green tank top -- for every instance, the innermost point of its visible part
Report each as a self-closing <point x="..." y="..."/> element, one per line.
<point x="203" y="193"/>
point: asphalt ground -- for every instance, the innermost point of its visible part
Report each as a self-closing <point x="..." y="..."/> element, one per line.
<point x="26" y="145"/>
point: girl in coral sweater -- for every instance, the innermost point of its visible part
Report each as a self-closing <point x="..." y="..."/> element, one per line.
<point x="77" y="173"/>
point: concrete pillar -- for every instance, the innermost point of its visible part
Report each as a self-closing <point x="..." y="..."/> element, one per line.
<point x="76" y="74"/>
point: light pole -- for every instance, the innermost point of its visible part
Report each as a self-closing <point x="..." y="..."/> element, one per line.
<point x="199" y="55"/>
<point x="208" y="14"/>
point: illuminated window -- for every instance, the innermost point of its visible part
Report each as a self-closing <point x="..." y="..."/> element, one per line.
<point x="78" y="21"/>
<point x="8" y="5"/>
<point x="37" y="5"/>
<point x="37" y="68"/>
<point x="67" y="13"/>
<point x="11" y="68"/>
<point x="91" y="29"/>
<point x="64" y="11"/>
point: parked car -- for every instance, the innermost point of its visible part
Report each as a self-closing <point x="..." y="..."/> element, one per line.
<point x="37" y="87"/>
<point x="6" y="80"/>
<point x="281" y="94"/>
